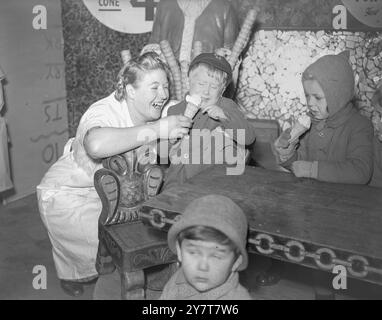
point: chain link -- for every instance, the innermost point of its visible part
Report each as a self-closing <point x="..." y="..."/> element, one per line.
<point x="324" y="258"/>
<point x="320" y="255"/>
<point x="157" y="218"/>
<point x="264" y="238"/>
<point x="293" y="250"/>
<point x="300" y="249"/>
<point x="364" y="263"/>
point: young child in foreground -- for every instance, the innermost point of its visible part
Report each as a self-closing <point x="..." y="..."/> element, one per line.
<point x="210" y="242"/>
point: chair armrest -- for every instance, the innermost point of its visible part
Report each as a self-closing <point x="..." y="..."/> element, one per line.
<point x="108" y="188"/>
<point x="123" y="188"/>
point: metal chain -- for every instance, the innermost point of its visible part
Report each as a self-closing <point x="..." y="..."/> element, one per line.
<point x="293" y="250"/>
<point x="324" y="258"/>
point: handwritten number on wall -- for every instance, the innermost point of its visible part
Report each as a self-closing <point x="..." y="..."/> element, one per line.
<point x="54" y="71"/>
<point x="50" y="153"/>
<point x="51" y="150"/>
<point x="52" y="113"/>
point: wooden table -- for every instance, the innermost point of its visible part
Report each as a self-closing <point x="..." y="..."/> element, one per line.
<point x="315" y="224"/>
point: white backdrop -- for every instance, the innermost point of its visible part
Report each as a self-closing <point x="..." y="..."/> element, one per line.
<point x="34" y="90"/>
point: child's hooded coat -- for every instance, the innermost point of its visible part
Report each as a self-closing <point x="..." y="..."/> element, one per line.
<point x="342" y="143"/>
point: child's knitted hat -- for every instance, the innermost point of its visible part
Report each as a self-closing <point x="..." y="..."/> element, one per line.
<point x="214" y="60"/>
<point x="218" y="212"/>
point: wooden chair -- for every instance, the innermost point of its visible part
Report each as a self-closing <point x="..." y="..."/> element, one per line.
<point x="124" y="242"/>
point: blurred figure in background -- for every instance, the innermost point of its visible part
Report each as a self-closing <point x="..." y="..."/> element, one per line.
<point x="182" y="22"/>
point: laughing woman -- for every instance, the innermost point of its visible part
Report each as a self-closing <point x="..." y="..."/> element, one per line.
<point x="68" y="202"/>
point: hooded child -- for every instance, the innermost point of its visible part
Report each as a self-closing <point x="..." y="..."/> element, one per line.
<point x="338" y="147"/>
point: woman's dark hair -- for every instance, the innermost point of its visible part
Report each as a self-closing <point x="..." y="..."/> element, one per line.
<point x="133" y="70"/>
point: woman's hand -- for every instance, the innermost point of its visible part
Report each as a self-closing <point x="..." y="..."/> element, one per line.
<point x="174" y="127"/>
<point x="215" y="112"/>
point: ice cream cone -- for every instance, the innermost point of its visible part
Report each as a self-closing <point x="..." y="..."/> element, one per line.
<point x="301" y="126"/>
<point x="191" y="110"/>
<point x="193" y="105"/>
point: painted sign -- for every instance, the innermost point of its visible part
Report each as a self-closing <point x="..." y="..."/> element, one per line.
<point x="127" y="16"/>
<point x="32" y="57"/>
<point x="369" y="12"/>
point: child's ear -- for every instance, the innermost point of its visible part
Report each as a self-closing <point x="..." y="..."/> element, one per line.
<point x="237" y="263"/>
<point x="130" y="91"/>
<point x="178" y="251"/>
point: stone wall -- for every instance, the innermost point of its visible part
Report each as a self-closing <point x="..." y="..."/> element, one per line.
<point x="270" y="80"/>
